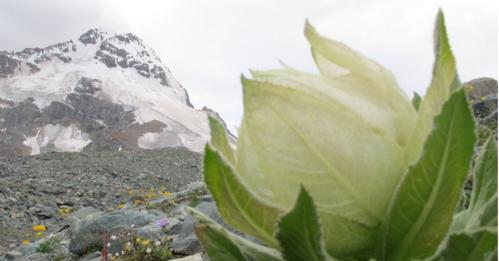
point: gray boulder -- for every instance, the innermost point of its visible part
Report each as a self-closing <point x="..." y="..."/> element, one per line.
<point x="186" y="243"/>
<point x="90" y="230"/>
<point x="482" y="94"/>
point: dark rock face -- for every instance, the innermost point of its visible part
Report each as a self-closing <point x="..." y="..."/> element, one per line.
<point x="61" y="51"/>
<point x="106" y="59"/>
<point x="88" y="86"/>
<point x="91" y="37"/>
<point x="159" y="73"/>
<point x="143" y="69"/>
<point x="19" y="117"/>
<point x="90" y="108"/>
<point x="10" y="66"/>
<point x="112" y="55"/>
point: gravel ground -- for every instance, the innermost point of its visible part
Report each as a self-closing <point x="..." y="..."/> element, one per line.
<point x="34" y="189"/>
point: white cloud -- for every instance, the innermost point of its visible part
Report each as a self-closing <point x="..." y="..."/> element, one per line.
<point x="208" y="44"/>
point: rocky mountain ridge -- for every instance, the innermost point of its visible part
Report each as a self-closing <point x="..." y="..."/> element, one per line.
<point x="101" y="92"/>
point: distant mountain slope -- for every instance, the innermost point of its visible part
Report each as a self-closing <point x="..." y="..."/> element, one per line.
<point x="102" y="91"/>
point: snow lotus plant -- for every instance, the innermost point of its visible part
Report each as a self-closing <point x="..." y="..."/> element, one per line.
<point x="342" y="166"/>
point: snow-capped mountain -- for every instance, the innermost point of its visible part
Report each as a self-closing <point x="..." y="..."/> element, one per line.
<point x="101" y="91"/>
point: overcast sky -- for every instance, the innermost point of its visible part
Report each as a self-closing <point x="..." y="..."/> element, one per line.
<point x="209" y="43"/>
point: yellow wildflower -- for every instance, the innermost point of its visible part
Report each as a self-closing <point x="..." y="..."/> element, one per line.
<point x="146" y="242"/>
<point x="39" y="228"/>
<point x="138" y="202"/>
<point x="64" y="211"/>
<point x="121" y="206"/>
<point x="25" y="242"/>
<point x="39" y="234"/>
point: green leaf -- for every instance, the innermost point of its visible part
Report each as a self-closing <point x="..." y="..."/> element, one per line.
<point x="416" y="100"/>
<point x="300" y="233"/>
<point x="344" y="237"/>
<point x="248" y="249"/>
<point x="421" y="211"/>
<point x="217" y="244"/>
<point x="200" y="216"/>
<point x="219" y="139"/>
<point x="480" y="245"/>
<point x="482" y="210"/>
<point x="444" y="81"/>
<point x="236" y="204"/>
<point x="484" y="195"/>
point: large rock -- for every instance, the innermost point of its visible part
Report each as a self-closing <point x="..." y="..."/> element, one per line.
<point x="186" y="242"/>
<point x="196" y="257"/>
<point x="482" y="93"/>
<point x="90" y="231"/>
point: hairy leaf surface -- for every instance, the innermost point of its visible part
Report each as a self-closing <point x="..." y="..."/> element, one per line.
<point x="444" y="81"/>
<point x="421" y="212"/>
<point x="479" y="245"/>
<point x="482" y="211"/>
<point x="300" y="234"/>
<point x="236" y="204"/>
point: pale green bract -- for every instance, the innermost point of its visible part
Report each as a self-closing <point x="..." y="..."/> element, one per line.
<point x="348" y="136"/>
<point x="341" y="134"/>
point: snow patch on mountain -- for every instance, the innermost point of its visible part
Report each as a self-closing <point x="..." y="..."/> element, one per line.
<point x="61" y="138"/>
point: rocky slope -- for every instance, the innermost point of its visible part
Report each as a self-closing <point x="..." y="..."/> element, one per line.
<point x="102" y="91"/>
<point x="33" y="188"/>
<point x="134" y="187"/>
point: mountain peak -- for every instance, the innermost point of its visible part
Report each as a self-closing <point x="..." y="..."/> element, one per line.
<point x="92" y="36"/>
<point x="121" y="51"/>
<point x="102" y="91"/>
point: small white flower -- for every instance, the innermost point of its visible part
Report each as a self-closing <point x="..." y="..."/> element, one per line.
<point x="117" y="254"/>
<point x="122" y="252"/>
<point x="157" y="243"/>
<point x="108" y="244"/>
<point x="129" y="244"/>
<point x="133" y="225"/>
<point x="113" y="237"/>
<point x="148" y="250"/>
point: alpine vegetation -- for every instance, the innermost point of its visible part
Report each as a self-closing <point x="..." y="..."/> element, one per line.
<point x="342" y="166"/>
